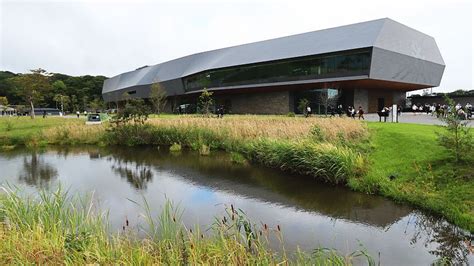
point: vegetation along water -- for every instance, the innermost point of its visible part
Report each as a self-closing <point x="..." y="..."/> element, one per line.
<point x="400" y="161"/>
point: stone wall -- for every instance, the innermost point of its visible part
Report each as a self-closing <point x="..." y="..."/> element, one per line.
<point x="361" y="98"/>
<point x="257" y="103"/>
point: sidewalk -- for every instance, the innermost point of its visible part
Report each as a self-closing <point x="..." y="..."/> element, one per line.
<point x="418" y="118"/>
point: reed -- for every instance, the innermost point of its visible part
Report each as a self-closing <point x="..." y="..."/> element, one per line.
<point x="55" y="228"/>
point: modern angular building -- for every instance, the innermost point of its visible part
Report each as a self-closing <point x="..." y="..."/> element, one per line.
<point x="370" y="64"/>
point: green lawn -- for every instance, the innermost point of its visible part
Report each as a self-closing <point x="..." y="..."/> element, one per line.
<point x="17" y="130"/>
<point x="421" y="171"/>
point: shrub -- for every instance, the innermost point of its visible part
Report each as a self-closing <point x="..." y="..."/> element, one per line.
<point x="175" y="147"/>
<point x="135" y="110"/>
<point x="318" y="134"/>
<point x="237" y="158"/>
<point x="456" y="138"/>
<point x="291" y="114"/>
<point x="302" y="104"/>
<point x="204" y="150"/>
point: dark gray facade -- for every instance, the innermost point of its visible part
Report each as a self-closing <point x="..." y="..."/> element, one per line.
<point x="379" y="57"/>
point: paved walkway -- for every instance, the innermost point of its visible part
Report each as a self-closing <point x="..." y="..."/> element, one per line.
<point x="419" y="118"/>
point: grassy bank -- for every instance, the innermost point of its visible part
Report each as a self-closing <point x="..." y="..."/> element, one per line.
<point x="407" y="165"/>
<point x="58" y="229"/>
<point x="400" y="161"/>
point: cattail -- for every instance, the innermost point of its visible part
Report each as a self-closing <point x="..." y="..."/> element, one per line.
<point x="265" y="226"/>
<point x="190" y="230"/>
<point x="123" y="228"/>
<point x="232" y="208"/>
<point x="192" y="246"/>
<point x="126" y="222"/>
<point x="233" y="218"/>
<point x="260" y="232"/>
<point x="174" y="219"/>
<point x="224" y="220"/>
<point x="202" y="236"/>
<point x="278" y="227"/>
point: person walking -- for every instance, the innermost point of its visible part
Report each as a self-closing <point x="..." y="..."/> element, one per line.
<point x="414" y="108"/>
<point x="361" y="113"/>
<point x="221" y="111"/>
<point x="78" y="114"/>
<point x="44" y="114"/>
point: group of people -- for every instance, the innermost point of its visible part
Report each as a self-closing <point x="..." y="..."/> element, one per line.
<point x="352" y="112"/>
<point x="442" y="110"/>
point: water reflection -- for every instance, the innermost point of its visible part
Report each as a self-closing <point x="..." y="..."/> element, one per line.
<point x="137" y="175"/>
<point x="452" y="245"/>
<point x="36" y="172"/>
<point x="264" y="184"/>
<point x="311" y="213"/>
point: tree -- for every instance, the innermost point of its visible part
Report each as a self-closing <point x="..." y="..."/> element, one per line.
<point x="126" y="97"/>
<point x="62" y="100"/>
<point x="157" y="97"/>
<point x="205" y="102"/>
<point x="74" y="103"/>
<point x="32" y="87"/>
<point x="96" y="104"/>
<point x="3" y="101"/>
<point x="302" y="106"/>
<point x="134" y="110"/>
<point x="456" y="139"/>
<point x="85" y="102"/>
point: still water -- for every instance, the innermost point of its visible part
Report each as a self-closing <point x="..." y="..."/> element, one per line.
<point x="310" y="214"/>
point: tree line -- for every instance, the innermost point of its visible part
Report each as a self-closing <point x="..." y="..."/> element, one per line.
<point x="39" y="88"/>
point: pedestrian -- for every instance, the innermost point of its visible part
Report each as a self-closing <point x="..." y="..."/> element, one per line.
<point x="361" y="113"/>
<point x="221" y="111"/>
<point x="78" y="114"/>
<point x="44" y="114"/>
<point x="308" y="110"/>
<point x="339" y="110"/>
<point x="85" y="113"/>
<point x="414" y="108"/>
<point x="399" y="110"/>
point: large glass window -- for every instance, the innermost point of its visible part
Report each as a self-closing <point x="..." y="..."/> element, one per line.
<point x="314" y="67"/>
<point x="321" y="101"/>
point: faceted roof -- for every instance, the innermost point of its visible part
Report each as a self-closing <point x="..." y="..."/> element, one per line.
<point x="383" y="33"/>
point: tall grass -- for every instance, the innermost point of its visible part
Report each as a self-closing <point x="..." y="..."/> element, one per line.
<point x="232" y="127"/>
<point x="56" y="228"/>
<point x="334" y="164"/>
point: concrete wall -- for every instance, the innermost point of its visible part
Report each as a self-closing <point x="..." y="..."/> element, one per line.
<point x="258" y="103"/>
<point x="399" y="98"/>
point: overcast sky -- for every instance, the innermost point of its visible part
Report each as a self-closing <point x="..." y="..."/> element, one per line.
<point x="111" y="37"/>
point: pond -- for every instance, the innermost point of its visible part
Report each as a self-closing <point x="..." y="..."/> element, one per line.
<point x="310" y="214"/>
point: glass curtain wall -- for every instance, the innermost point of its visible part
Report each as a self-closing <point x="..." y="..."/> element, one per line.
<point x="351" y="63"/>
<point x="321" y="101"/>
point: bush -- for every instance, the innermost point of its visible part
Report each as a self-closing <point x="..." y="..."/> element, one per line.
<point x="291" y="114"/>
<point x="456" y="138"/>
<point x="175" y="147"/>
<point x="204" y="150"/>
<point x="318" y="134"/>
<point x="237" y="158"/>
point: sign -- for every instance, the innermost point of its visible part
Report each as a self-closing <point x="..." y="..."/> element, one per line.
<point x="394" y="113"/>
